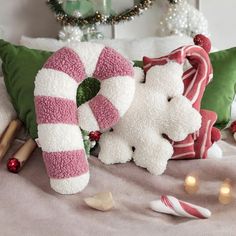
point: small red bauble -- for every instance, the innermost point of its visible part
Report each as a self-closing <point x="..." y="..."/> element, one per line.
<point x="203" y="41"/>
<point x="233" y="127"/>
<point x="94" y="135"/>
<point x="13" y="165"/>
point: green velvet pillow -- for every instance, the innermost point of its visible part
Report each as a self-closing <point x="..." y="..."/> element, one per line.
<point x="220" y="93"/>
<point x="20" y="66"/>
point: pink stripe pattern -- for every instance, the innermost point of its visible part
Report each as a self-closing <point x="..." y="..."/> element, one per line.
<point x="55" y="110"/>
<point x="72" y="163"/>
<point x="195" y="80"/>
<point x="67" y="61"/>
<point x="112" y="64"/>
<point x="104" y="112"/>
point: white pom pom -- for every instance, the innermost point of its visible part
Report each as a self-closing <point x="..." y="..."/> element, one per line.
<point x="214" y="152"/>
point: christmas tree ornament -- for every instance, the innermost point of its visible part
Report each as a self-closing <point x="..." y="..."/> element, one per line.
<point x="90" y="32"/>
<point x="18" y="160"/>
<point x="94" y="135"/>
<point x="77" y="14"/>
<point x="173" y="206"/>
<point x="13" y="165"/>
<point x="71" y="34"/>
<point x="9" y="136"/>
<point x="183" y="19"/>
<point x="88" y="143"/>
<point x="225" y="194"/>
<point x="101" y="201"/>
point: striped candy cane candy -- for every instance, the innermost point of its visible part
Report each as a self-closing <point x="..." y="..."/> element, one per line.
<point x="56" y="111"/>
<point x="173" y="206"/>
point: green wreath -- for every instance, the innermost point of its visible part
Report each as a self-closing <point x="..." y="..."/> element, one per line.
<point x="97" y="18"/>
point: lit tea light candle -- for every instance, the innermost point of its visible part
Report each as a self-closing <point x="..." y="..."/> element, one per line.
<point x="225" y="194"/>
<point x="191" y="184"/>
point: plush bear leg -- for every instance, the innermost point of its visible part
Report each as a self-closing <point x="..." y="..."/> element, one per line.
<point x="114" y="149"/>
<point x="153" y="156"/>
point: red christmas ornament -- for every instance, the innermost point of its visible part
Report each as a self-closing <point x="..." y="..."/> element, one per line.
<point x="94" y="135"/>
<point x="233" y="127"/>
<point x="13" y="165"/>
<point x="203" y="41"/>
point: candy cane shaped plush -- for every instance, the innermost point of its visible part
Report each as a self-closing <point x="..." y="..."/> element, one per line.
<point x="58" y="119"/>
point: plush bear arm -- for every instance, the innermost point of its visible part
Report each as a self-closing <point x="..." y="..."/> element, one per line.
<point x="114" y="149"/>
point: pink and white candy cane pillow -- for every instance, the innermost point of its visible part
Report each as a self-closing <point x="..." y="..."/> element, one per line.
<point x="58" y="118"/>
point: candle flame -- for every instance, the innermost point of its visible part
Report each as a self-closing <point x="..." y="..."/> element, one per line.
<point x="190" y="180"/>
<point x="225" y="190"/>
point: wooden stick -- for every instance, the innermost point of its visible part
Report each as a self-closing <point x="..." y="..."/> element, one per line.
<point x="18" y="160"/>
<point x="9" y="136"/>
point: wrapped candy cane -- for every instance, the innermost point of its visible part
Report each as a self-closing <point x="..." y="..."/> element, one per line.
<point x="173" y="206"/>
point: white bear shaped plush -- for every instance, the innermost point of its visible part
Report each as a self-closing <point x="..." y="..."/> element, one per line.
<point x="159" y="110"/>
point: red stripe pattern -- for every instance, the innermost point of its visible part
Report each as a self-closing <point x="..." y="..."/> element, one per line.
<point x="184" y="209"/>
<point x="195" y="80"/>
<point x="55" y="110"/>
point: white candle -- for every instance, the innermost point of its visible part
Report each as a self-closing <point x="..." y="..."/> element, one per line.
<point x="225" y="194"/>
<point x="191" y="184"/>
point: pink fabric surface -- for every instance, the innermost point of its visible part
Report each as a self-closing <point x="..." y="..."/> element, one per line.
<point x="104" y="111"/>
<point x="67" y="161"/>
<point x="55" y="110"/>
<point x="29" y="207"/>
<point x="67" y="61"/>
<point x="112" y="64"/>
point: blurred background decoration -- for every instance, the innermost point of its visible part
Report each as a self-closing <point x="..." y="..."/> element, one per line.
<point x="79" y="18"/>
<point x="182" y="18"/>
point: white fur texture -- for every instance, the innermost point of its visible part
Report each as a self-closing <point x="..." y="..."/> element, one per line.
<point x="7" y="112"/>
<point x="111" y="89"/>
<point x="89" y="54"/>
<point x="84" y="111"/>
<point x="50" y="135"/>
<point x="149" y="116"/>
<point x="214" y="152"/>
<point x="71" y="185"/>
<point x="50" y="82"/>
